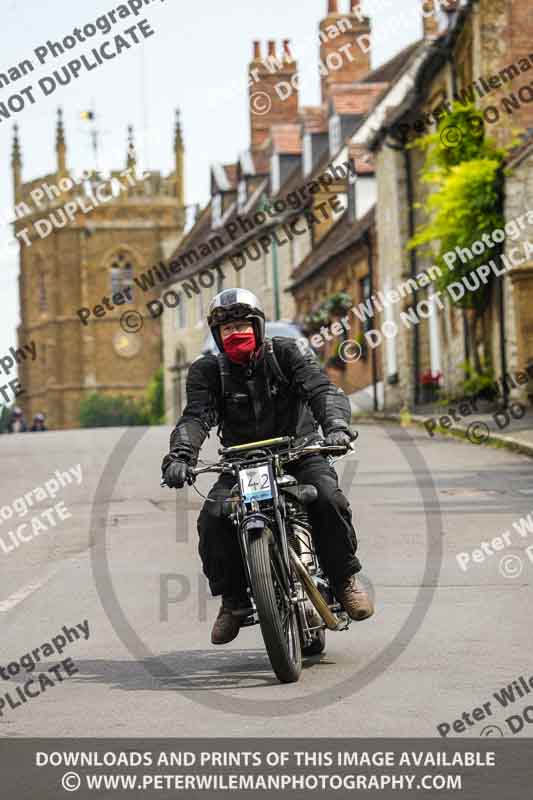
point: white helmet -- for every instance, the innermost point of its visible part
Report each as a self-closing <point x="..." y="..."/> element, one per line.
<point x="231" y="304"/>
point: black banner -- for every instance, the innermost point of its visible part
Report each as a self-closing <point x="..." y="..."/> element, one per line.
<point x="205" y="768"/>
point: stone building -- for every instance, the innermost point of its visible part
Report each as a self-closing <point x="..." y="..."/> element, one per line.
<point x="290" y="148"/>
<point x="82" y="241"/>
<point x="518" y="311"/>
<point x="476" y="50"/>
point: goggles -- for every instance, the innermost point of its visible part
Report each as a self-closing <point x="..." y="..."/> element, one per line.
<point x="220" y="315"/>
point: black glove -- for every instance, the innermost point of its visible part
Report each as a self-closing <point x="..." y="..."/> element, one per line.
<point x="339" y="437"/>
<point x="175" y="474"/>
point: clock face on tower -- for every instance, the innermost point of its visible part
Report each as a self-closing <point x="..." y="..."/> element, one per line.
<point x="126" y="345"/>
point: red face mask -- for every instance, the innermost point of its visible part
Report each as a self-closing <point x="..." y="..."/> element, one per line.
<point x="239" y="346"/>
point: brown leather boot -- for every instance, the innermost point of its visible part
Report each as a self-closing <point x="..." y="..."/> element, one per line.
<point x="353" y="599"/>
<point x="233" y="612"/>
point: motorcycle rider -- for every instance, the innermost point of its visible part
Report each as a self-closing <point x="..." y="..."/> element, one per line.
<point x="17" y="423"/>
<point x="255" y="389"/>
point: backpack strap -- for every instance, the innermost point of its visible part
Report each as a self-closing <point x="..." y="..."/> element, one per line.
<point x="223" y="369"/>
<point x="274" y="364"/>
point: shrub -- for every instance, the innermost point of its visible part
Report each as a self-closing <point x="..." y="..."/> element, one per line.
<point x="478" y="383"/>
<point x="105" y="411"/>
<point x="155" y="399"/>
<point x="5" y="414"/>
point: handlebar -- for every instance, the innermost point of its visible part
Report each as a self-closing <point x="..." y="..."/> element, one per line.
<point x="336" y="449"/>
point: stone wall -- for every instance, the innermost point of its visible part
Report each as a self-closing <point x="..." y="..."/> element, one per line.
<point x="519" y="282"/>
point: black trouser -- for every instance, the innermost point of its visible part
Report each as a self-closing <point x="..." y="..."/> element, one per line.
<point x="331" y="519"/>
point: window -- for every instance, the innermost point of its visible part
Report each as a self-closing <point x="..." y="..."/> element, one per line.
<point x="220" y="279"/>
<point x="364" y="285"/>
<point x="121" y="274"/>
<point x="243" y="195"/>
<point x="352" y="194"/>
<point x="268" y="267"/>
<point x="200" y="310"/>
<point x="216" y="211"/>
<point x="308" y="154"/>
<point x="275" y="174"/>
<point x="181" y="313"/>
<point x="335" y="134"/>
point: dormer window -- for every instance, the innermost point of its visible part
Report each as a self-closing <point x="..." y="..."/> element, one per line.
<point x="243" y="195"/>
<point x="275" y="173"/>
<point x="216" y="211"/>
<point x="308" y="154"/>
<point x="335" y="134"/>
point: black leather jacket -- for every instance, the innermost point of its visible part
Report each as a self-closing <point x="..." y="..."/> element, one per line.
<point x="258" y="401"/>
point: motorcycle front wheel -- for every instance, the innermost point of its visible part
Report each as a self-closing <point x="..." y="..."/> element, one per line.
<point x="277" y="615"/>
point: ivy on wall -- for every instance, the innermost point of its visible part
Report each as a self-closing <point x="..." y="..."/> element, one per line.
<point x="464" y="170"/>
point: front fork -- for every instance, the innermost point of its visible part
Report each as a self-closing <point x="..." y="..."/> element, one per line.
<point x="256" y="524"/>
<point x="259" y="525"/>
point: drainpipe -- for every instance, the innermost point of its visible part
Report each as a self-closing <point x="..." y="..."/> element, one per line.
<point x="368" y="237"/>
<point x="501" y="300"/>
<point x="413" y="270"/>
<point x="466" y="340"/>
<point x="275" y="280"/>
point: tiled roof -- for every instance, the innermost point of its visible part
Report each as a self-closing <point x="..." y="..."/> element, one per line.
<point x="389" y="71"/>
<point x="342" y="235"/>
<point x="414" y="79"/>
<point x="261" y="161"/>
<point x="287" y="140"/>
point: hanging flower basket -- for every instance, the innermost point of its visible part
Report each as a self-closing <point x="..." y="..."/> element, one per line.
<point x="314" y="321"/>
<point x="338" y="303"/>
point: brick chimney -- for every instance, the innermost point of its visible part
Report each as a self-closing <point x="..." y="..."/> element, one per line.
<point x="430" y="18"/>
<point x="273" y="90"/>
<point x="344" y="46"/>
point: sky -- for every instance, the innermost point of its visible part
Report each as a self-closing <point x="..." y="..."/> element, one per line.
<point x="196" y="60"/>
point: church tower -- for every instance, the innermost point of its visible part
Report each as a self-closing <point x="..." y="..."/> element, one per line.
<point x="83" y="240"/>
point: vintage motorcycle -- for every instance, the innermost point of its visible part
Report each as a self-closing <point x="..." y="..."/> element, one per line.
<point x="290" y="596"/>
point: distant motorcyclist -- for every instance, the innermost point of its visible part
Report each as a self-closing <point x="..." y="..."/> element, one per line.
<point x="254" y="389"/>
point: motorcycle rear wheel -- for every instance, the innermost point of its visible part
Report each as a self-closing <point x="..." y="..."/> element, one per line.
<point x="277" y="615"/>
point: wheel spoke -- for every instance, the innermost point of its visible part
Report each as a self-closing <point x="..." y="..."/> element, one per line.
<point x="283" y="603"/>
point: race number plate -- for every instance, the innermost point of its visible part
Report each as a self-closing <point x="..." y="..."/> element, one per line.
<point x="255" y="483"/>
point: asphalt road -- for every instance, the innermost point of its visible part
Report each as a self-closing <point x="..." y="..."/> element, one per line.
<point x="443" y="640"/>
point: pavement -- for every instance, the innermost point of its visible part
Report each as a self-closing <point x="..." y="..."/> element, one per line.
<point x="498" y="428"/>
<point x="442" y="642"/>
